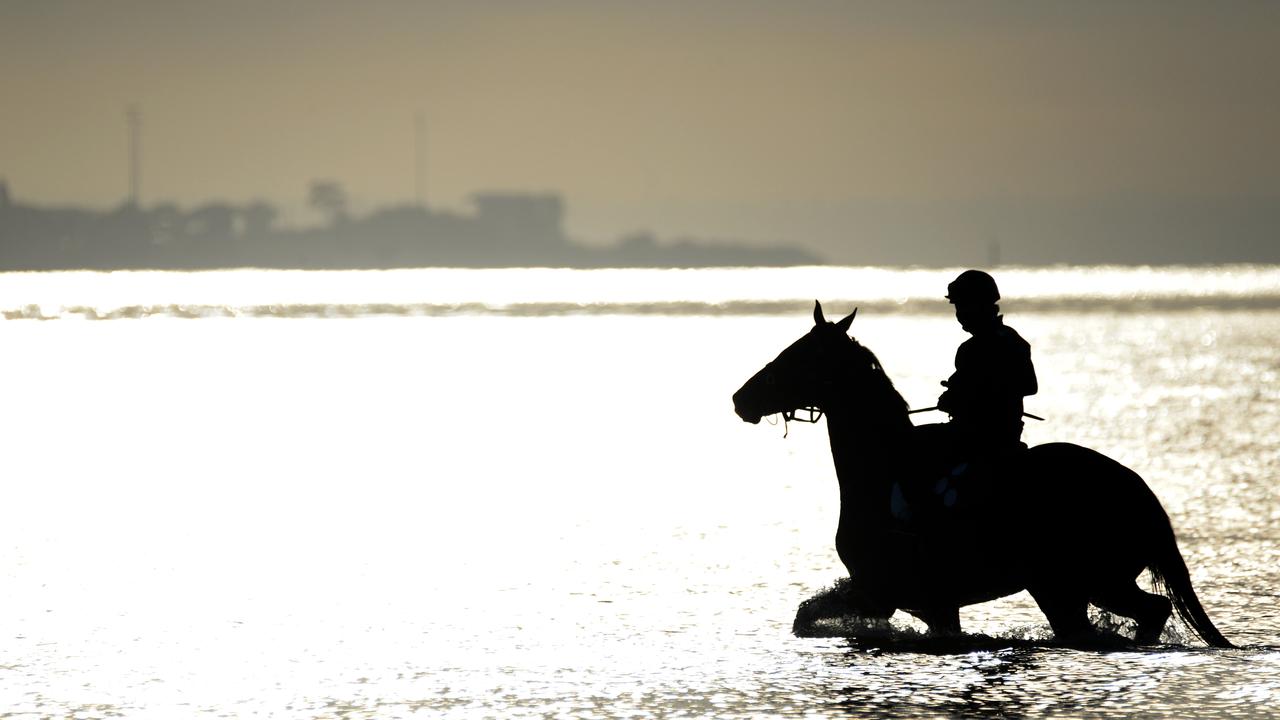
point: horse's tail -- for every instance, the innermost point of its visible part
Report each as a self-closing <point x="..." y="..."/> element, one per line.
<point x="1169" y="571"/>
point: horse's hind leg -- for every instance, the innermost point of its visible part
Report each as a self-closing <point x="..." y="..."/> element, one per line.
<point x="1148" y="610"/>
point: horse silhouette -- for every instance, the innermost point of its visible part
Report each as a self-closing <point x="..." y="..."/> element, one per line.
<point x="1065" y="523"/>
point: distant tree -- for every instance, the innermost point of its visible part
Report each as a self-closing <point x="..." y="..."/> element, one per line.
<point x="257" y="217"/>
<point x="328" y="197"/>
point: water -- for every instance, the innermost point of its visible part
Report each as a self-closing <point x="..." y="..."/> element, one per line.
<point x="524" y="493"/>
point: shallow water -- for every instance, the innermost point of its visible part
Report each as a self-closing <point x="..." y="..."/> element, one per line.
<point x="480" y="515"/>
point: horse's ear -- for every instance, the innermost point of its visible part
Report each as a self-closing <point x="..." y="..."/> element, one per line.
<point x="844" y="324"/>
<point x="817" y="313"/>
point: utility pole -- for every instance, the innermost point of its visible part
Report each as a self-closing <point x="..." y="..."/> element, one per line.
<point x="134" y="117"/>
<point x="420" y="159"/>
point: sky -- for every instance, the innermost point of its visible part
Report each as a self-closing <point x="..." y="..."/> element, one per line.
<point x="804" y="122"/>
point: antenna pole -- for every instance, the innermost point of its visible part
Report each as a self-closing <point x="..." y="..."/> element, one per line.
<point x="420" y="159"/>
<point x="134" y="117"/>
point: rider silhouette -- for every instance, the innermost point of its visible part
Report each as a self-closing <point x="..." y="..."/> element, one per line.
<point x="993" y="373"/>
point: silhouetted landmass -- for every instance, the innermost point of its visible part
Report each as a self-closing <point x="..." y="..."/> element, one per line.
<point x="506" y="230"/>
<point x="526" y="230"/>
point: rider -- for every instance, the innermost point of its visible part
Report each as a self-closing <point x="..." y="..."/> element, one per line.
<point x="993" y="372"/>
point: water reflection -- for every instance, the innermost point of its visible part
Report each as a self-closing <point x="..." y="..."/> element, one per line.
<point x="904" y="685"/>
<point x="946" y="681"/>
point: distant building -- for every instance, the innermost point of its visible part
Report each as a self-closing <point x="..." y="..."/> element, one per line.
<point x="521" y="219"/>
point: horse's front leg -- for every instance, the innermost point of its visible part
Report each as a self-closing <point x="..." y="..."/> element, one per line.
<point x="847" y="598"/>
<point x="941" y="621"/>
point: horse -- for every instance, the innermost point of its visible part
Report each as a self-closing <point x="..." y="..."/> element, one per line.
<point x="1067" y="524"/>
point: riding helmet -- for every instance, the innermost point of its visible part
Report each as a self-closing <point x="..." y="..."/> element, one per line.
<point x="973" y="286"/>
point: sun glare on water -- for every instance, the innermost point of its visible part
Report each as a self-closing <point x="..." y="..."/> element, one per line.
<point x="548" y="291"/>
<point x="492" y="493"/>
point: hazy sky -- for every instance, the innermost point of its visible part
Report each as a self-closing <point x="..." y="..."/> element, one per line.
<point x="765" y="121"/>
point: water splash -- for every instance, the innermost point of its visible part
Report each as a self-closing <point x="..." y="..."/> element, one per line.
<point x="829" y="613"/>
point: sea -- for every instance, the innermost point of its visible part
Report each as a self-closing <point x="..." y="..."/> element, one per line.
<point x="454" y="493"/>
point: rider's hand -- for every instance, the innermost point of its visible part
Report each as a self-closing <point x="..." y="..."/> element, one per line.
<point x="946" y="401"/>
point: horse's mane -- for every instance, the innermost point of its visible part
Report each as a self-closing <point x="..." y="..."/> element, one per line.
<point x="881" y="383"/>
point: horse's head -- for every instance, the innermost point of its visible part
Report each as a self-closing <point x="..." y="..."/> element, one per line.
<point x="802" y="375"/>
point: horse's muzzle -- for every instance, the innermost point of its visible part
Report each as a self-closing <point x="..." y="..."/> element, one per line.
<point x="746" y="415"/>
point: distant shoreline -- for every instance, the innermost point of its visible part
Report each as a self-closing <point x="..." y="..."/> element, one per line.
<point x="505" y="230"/>
<point x="514" y="230"/>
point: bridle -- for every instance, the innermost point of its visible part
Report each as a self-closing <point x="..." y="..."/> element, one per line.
<point x="812" y="414"/>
